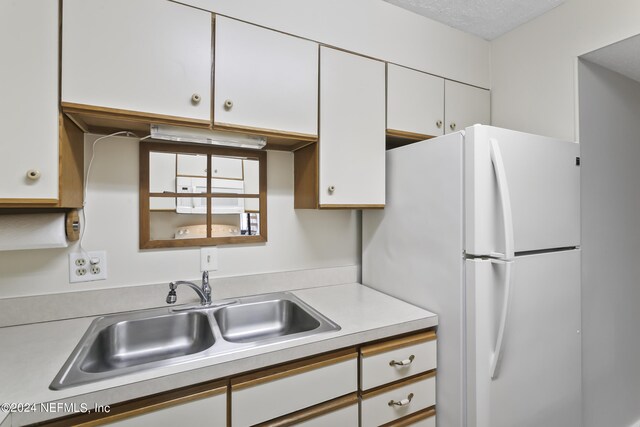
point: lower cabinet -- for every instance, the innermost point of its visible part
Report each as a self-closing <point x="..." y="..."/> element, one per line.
<point x="398" y="381"/>
<point x="262" y="396"/>
<point x="386" y="383"/>
<point x="207" y="409"/>
<point x="396" y="401"/>
<point x="201" y="405"/>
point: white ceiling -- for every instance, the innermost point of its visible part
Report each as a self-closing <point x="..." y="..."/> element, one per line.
<point x="621" y="57"/>
<point x="484" y="18"/>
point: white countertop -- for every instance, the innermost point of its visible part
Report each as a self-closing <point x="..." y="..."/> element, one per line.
<point x="32" y="355"/>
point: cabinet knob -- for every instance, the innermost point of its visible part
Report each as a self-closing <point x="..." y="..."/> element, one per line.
<point x="439" y="124"/>
<point x="228" y="104"/>
<point x="195" y="98"/>
<point x="453" y="125"/>
<point x="331" y="189"/>
<point x="33" y="174"/>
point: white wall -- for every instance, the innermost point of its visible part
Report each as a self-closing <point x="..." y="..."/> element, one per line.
<point x="533" y="86"/>
<point x="610" y="149"/>
<point x="370" y="27"/>
<point x="298" y="239"/>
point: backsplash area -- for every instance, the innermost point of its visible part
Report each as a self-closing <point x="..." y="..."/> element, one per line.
<point x="298" y="239"/>
<point x="44" y="308"/>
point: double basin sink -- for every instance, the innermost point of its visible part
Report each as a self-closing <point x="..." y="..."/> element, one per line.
<point x="130" y="342"/>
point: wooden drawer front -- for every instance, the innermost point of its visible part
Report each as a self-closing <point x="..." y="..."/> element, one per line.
<point x="377" y="368"/>
<point x="255" y="400"/>
<point x="376" y="408"/>
<point x="338" y="412"/>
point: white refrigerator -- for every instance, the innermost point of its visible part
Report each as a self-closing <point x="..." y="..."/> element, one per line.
<point x="482" y="227"/>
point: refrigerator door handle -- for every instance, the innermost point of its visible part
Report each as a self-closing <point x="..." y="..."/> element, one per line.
<point x="505" y="200"/>
<point x="496" y="357"/>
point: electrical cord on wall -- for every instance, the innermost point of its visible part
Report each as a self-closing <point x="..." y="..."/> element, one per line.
<point x="86" y="184"/>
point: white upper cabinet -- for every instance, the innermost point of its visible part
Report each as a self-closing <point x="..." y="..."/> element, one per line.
<point x="226" y="167"/>
<point x="264" y="80"/>
<point x="465" y="106"/>
<point x="352" y="130"/>
<point x="415" y="102"/>
<point x="29" y="101"/>
<point x="147" y="56"/>
<point x="191" y="165"/>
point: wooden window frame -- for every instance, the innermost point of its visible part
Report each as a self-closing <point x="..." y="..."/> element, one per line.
<point x="148" y="146"/>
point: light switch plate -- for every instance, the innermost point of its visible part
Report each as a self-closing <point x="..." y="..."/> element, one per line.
<point x="209" y="259"/>
<point x="87" y="266"/>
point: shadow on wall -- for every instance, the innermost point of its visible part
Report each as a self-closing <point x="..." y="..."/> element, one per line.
<point x="609" y="112"/>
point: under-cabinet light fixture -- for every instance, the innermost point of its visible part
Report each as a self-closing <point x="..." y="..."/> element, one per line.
<point x="206" y="136"/>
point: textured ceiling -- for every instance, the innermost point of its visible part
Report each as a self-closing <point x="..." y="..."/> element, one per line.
<point x="621" y="57"/>
<point x="484" y="18"/>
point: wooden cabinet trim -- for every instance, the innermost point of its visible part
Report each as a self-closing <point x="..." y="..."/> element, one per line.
<point x="413" y="418"/>
<point x="293" y="136"/>
<point x="312" y="412"/>
<point x="130" y="116"/>
<point x="382" y="347"/>
<point x="305" y="182"/>
<point x="144" y="405"/>
<point x="397" y="384"/>
<point x="29" y="202"/>
<point x="408" y="135"/>
<point x="295" y="368"/>
<point x="71" y="179"/>
<point x="398" y="138"/>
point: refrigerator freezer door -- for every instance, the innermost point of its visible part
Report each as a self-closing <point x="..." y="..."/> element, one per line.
<point x="413" y="251"/>
<point x="542" y="177"/>
<point x="538" y="382"/>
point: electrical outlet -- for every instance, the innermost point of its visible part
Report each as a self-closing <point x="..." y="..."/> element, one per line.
<point x="209" y="259"/>
<point x="87" y="266"/>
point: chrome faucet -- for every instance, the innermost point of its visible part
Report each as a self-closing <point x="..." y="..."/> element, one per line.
<point x="204" y="293"/>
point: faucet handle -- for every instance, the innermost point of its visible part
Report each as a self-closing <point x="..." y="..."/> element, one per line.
<point x="172" y="297"/>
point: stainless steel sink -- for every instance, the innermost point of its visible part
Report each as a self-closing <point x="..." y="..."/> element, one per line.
<point x="130" y="342"/>
<point x="263" y="320"/>
<point x="134" y="342"/>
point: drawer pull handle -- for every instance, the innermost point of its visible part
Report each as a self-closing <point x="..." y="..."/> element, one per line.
<point x="403" y="402"/>
<point x="404" y="362"/>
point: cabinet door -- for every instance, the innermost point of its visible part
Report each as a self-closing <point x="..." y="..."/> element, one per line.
<point x="226" y="167"/>
<point x="191" y="165"/>
<point x="264" y="79"/>
<point x="29" y="95"/>
<point x="201" y="406"/>
<point x="465" y="106"/>
<point x="144" y="56"/>
<point x="204" y="412"/>
<point x="352" y="130"/>
<point x="256" y="400"/>
<point x="415" y="102"/>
